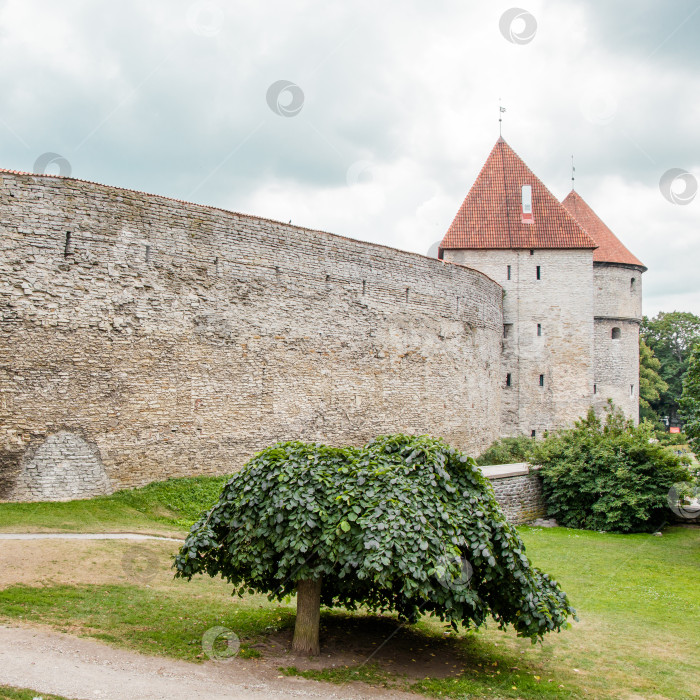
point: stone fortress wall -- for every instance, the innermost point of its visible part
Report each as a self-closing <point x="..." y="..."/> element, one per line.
<point x="617" y="308"/>
<point x="143" y="338"/>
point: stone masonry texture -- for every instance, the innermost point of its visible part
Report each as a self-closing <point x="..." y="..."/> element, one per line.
<point x="617" y="305"/>
<point x="520" y="497"/>
<point x="143" y="338"/>
<point x="548" y="331"/>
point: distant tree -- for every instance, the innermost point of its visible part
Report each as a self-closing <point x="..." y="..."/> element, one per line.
<point x="650" y="383"/>
<point x="671" y="337"/>
<point x="690" y="400"/>
<point x="405" y="524"/>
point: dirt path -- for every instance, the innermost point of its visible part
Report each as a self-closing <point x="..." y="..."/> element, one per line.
<point x="51" y="662"/>
<point x="85" y="536"/>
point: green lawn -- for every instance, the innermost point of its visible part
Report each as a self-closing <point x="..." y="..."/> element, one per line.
<point x="165" y="622"/>
<point x="638" y="599"/>
<point x="162" y="507"/>
<point x="9" y="693"/>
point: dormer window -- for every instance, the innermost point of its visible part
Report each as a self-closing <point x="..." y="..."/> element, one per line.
<point x="526" y="213"/>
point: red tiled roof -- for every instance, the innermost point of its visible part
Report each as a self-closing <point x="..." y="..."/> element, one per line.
<point x="491" y="214"/>
<point x="610" y="248"/>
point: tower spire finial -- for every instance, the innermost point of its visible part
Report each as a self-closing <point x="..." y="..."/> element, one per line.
<point x="573" y="172"/>
<point x="501" y="109"/>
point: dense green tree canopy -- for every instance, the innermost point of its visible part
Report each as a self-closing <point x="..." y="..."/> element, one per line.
<point x="690" y="400"/>
<point x="651" y="385"/>
<point x="608" y="475"/>
<point x="405" y="524"/>
<point x="671" y="337"/>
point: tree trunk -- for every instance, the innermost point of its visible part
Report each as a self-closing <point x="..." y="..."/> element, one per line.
<point x="308" y="618"/>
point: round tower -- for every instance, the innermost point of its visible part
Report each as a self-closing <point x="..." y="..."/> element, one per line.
<point x="617" y="311"/>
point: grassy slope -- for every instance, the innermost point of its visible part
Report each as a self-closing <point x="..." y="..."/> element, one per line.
<point x="163" y="507"/>
<point x="637" y="597"/>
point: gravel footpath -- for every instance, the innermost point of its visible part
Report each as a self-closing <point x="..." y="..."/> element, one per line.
<point x="52" y="662"/>
<point x="83" y="536"/>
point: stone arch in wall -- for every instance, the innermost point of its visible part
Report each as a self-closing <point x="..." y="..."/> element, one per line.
<point x="62" y="468"/>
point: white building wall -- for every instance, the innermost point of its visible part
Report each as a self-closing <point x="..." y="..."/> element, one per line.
<point x="617" y="305"/>
<point x="561" y="302"/>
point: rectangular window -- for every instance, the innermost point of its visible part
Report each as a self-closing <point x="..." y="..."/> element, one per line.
<point x="539" y="329"/>
<point x="539" y="273"/>
<point x="595" y="388"/>
<point x="533" y="433"/>
<point x="507" y="328"/>
<point x="509" y="379"/>
<point x="508" y="271"/>
<point x="631" y="389"/>
<point x="532" y="252"/>
<point x="541" y="379"/>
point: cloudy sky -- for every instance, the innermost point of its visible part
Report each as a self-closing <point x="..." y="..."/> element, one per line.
<point x="392" y="110"/>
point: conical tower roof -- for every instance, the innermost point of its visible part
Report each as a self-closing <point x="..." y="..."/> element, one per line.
<point x="491" y="216"/>
<point x="610" y="248"/>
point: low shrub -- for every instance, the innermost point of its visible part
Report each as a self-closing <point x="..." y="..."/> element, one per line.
<point x="608" y="475"/>
<point x="509" y="450"/>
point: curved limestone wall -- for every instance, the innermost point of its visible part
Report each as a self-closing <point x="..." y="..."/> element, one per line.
<point x="618" y="314"/>
<point x="143" y="338"/>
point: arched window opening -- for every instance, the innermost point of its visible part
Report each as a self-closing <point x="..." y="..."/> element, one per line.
<point x="615" y="335"/>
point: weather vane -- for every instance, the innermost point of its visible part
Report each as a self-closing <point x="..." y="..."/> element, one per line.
<point x="501" y="109"/>
<point x="573" y="171"/>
